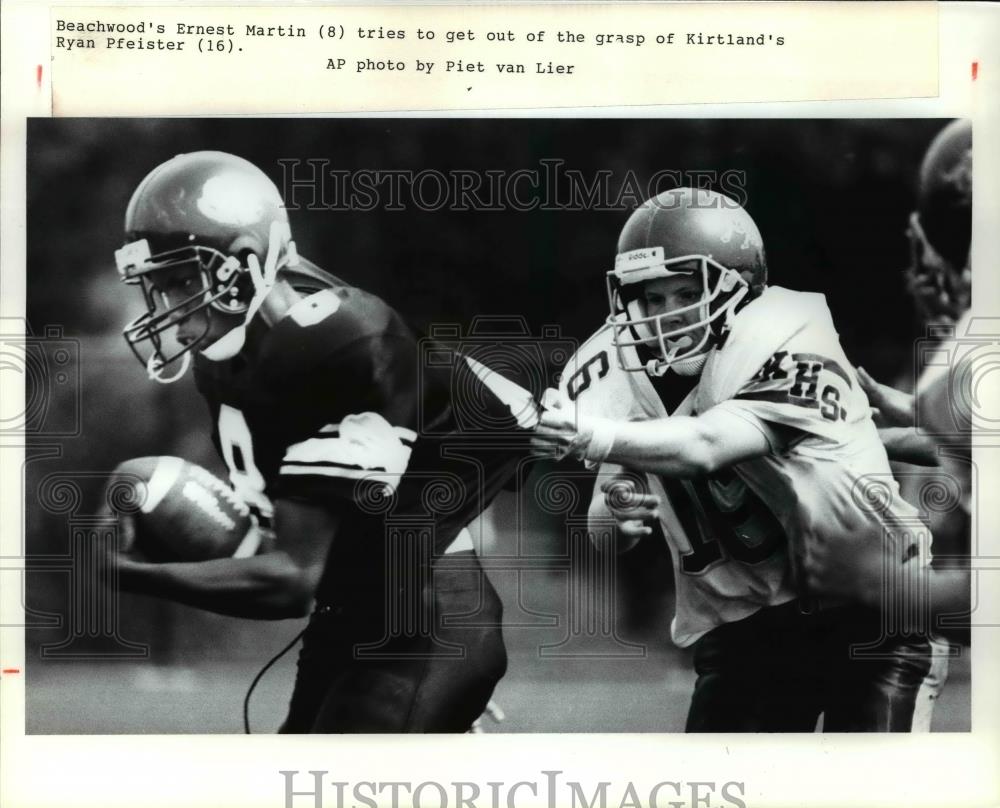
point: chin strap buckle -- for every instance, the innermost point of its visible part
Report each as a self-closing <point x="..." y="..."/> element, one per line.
<point x="657" y="367"/>
<point x="155" y="368"/>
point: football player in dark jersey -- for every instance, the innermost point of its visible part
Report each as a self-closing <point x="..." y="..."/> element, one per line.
<point x="343" y="443"/>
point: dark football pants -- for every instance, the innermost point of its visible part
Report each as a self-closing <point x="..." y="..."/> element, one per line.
<point x="430" y="675"/>
<point x="780" y="669"/>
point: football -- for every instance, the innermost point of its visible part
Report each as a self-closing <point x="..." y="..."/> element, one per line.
<point x="182" y="512"/>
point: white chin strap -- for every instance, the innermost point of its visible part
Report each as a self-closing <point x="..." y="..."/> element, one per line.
<point x="263" y="279"/>
<point x="155" y="369"/>
<point x="227" y="346"/>
<point x="687" y="366"/>
<point x="691" y="366"/>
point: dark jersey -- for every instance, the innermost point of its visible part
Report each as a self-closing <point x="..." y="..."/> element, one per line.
<point x="339" y="404"/>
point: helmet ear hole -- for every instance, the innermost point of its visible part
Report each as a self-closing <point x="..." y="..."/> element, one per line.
<point x="231" y="284"/>
<point x="755" y="281"/>
<point x="747" y="276"/>
<point x="246" y="243"/>
<point x="244" y="257"/>
<point x="244" y="283"/>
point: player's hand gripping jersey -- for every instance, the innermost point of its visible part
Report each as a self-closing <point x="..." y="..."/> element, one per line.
<point x="734" y="535"/>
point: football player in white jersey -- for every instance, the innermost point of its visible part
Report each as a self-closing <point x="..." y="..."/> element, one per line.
<point x="736" y="401"/>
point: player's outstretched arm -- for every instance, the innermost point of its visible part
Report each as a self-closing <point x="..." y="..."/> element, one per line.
<point x="688" y="446"/>
<point x="679" y="446"/>
<point x="270" y="586"/>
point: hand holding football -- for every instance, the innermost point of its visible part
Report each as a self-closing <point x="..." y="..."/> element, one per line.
<point x="185" y="513"/>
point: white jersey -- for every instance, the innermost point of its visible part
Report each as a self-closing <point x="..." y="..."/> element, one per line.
<point x="733" y="535"/>
<point x="722" y="573"/>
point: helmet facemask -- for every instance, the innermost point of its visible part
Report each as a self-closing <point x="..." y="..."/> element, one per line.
<point x="178" y="285"/>
<point x="223" y="283"/>
<point x="218" y="221"/>
<point x="682" y="348"/>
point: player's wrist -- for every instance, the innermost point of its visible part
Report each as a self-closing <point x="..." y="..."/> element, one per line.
<point x="902" y="409"/>
<point x="596" y="439"/>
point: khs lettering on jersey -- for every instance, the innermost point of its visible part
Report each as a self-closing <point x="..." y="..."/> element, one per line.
<point x="803" y="380"/>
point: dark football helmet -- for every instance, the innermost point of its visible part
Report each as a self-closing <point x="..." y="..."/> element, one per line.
<point x="685" y="231"/>
<point x="204" y="232"/>
<point x="940" y="229"/>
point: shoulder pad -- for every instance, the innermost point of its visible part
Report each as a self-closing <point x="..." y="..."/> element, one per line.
<point x="318" y="328"/>
<point x="778" y="314"/>
<point x="592" y="359"/>
<point x="780" y="322"/>
<point x="594" y="382"/>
